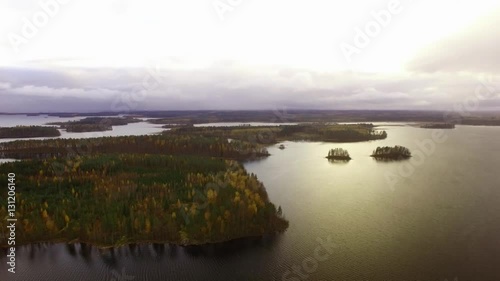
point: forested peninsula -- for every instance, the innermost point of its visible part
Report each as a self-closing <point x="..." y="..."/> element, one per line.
<point x="185" y="186"/>
<point x="19" y="132"/>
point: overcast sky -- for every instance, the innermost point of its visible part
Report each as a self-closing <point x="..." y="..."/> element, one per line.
<point x="106" y="55"/>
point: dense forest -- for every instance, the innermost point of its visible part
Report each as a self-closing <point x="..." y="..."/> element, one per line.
<point x="28" y="132"/>
<point x="297" y="116"/>
<point x="275" y="134"/>
<point x="331" y="132"/>
<point x="239" y="143"/>
<point x="118" y="198"/>
<point x="292" y="116"/>
<point x="338" y="154"/>
<point x="95" y="124"/>
<point x="182" y="186"/>
<point x="81" y="128"/>
<point x="152" y="144"/>
<point x="396" y="152"/>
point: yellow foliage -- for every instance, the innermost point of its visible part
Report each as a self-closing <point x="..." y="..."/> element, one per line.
<point x="211" y="195"/>
<point x="44" y="214"/>
<point x="248" y="192"/>
<point x="193" y="210"/>
<point x="50" y="225"/>
<point x="252" y="208"/>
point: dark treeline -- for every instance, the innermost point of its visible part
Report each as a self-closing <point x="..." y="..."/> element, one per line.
<point x="207" y="116"/>
<point x="332" y="133"/>
<point x="274" y="134"/>
<point x="254" y="134"/>
<point x="112" y="121"/>
<point x="117" y="199"/>
<point x="438" y="126"/>
<point x="396" y="152"/>
<point x="338" y="154"/>
<point x="152" y="144"/>
<point x="95" y="124"/>
<point x="481" y="122"/>
<point x="80" y="128"/>
<point x="197" y="117"/>
<point x="28" y="132"/>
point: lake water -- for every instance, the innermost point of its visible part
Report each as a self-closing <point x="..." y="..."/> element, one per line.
<point x="139" y="128"/>
<point x="436" y="219"/>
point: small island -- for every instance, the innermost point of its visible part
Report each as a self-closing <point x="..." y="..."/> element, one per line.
<point x="338" y="154"/>
<point x="438" y="126"/>
<point x="95" y="124"/>
<point x="391" y="153"/>
<point x="28" y="132"/>
<point x="82" y="128"/>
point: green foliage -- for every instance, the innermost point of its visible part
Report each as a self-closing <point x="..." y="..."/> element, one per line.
<point x="338" y="153"/>
<point x="438" y="126"/>
<point x="274" y="134"/>
<point x="396" y="152"/>
<point x="184" y="144"/>
<point x="95" y="124"/>
<point x="28" y="132"/>
<point x="331" y="132"/>
<point x="80" y="128"/>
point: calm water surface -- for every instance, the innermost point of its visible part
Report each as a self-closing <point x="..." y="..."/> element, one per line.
<point x="135" y="129"/>
<point x="439" y="221"/>
<point x="139" y="128"/>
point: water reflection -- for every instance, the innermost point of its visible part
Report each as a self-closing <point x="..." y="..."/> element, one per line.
<point x="157" y="251"/>
<point x="71" y="249"/>
<point x="231" y="248"/>
<point x="438" y="223"/>
<point x="108" y="257"/>
<point x="85" y="252"/>
<point x="390" y="160"/>
<point x="338" y="161"/>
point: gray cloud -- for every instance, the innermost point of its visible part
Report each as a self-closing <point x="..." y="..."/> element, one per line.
<point x="231" y="86"/>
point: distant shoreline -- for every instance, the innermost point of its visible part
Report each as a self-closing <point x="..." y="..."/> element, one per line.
<point x="484" y="118"/>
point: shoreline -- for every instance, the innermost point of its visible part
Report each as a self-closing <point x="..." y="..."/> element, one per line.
<point x="144" y="242"/>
